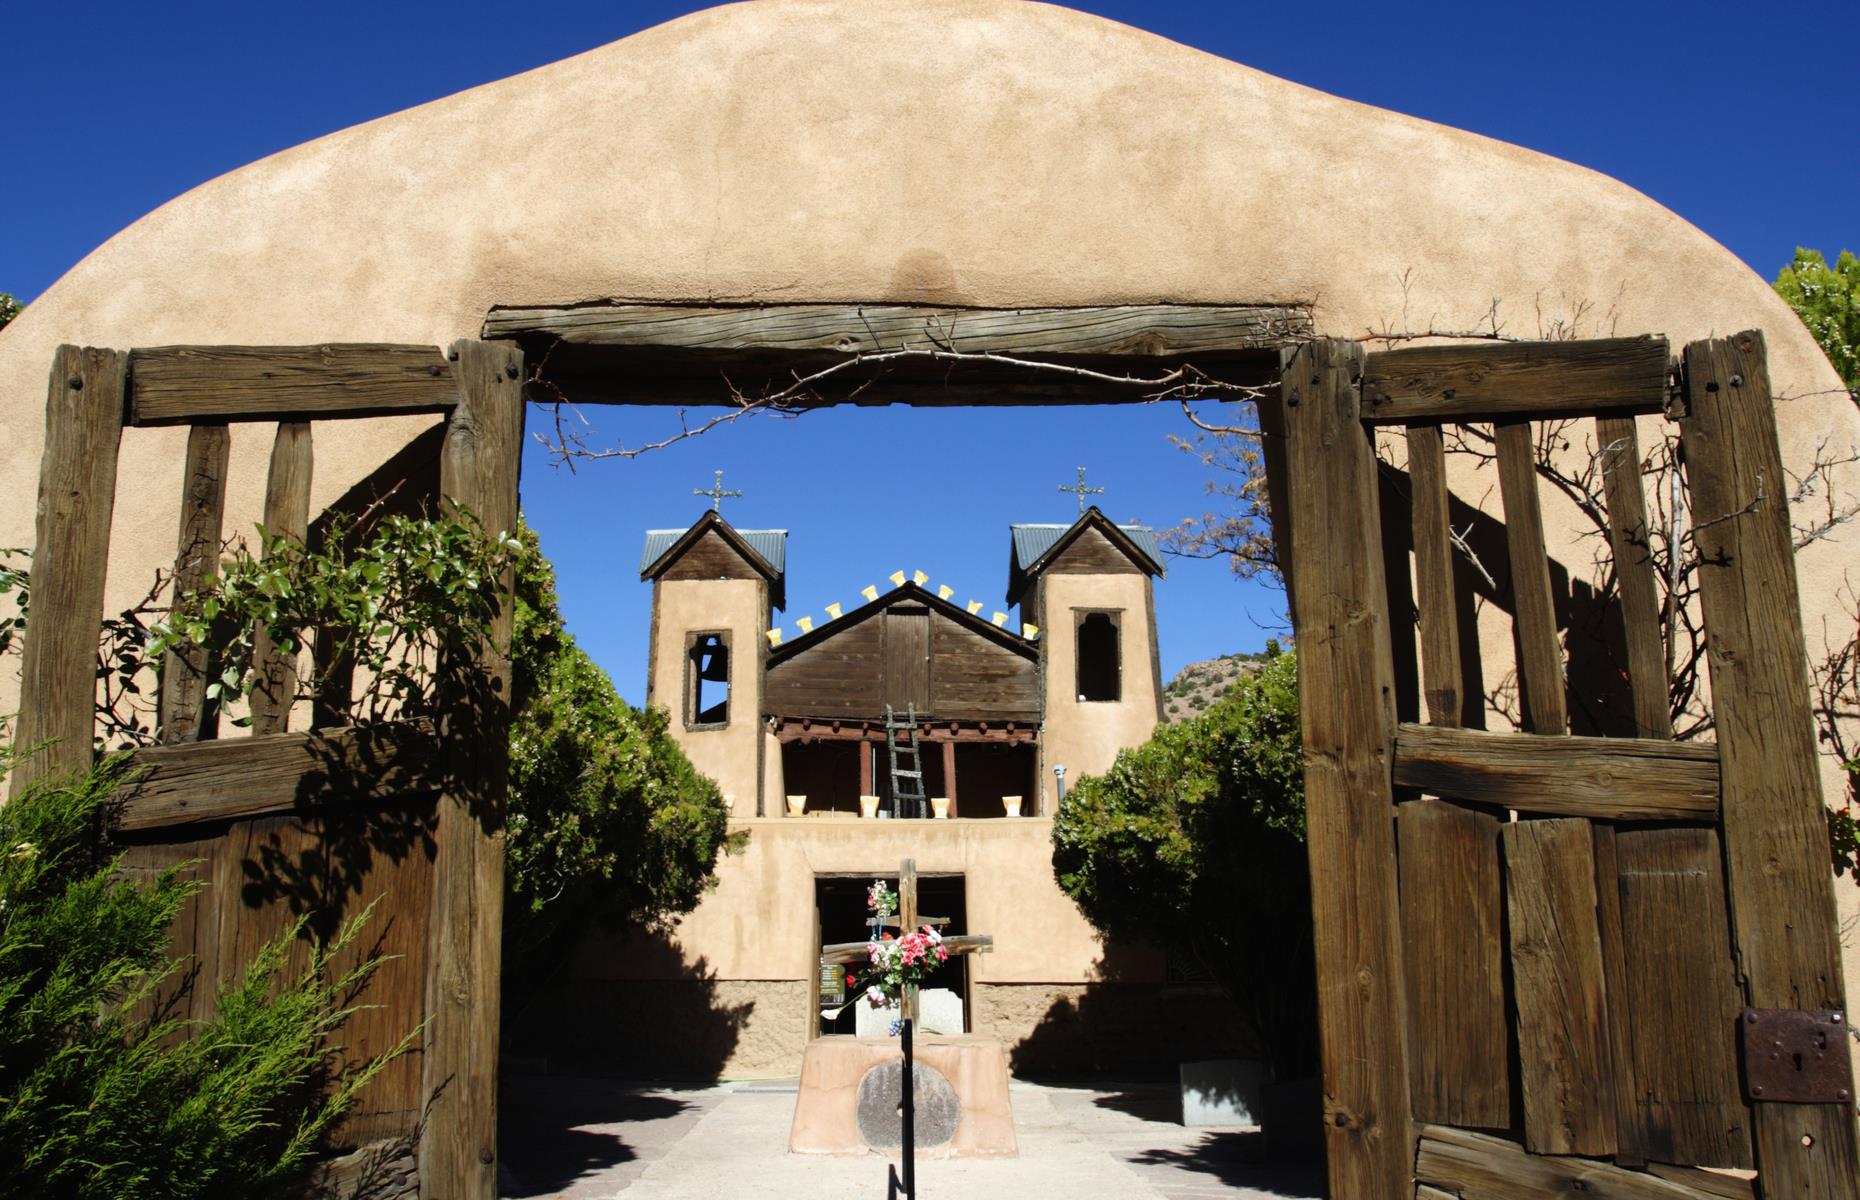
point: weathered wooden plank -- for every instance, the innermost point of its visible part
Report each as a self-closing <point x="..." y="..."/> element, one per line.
<point x="275" y="773"/>
<point x="1618" y="445"/>
<point x="1433" y="576"/>
<point x="71" y="550"/>
<point x="1677" y="953"/>
<point x="184" y="714"/>
<point x="478" y="471"/>
<point x="1540" y="653"/>
<point x="173" y="384"/>
<point x="1475" y="1166"/>
<point x="1487" y="381"/>
<point x="1607" y="778"/>
<point x="1452" y="911"/>
<point x="1775" y="831"/>
<point x="850" y="952"/>
<point x="287" y="515"/>
<point x="1558" y="974"/>
<point x="1340" y="614"/>
<point x="1148" y="330"/>
<point x="1710" y="1183"/>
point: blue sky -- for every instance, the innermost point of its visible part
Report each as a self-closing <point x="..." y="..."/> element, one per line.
<point x="1743" y="120"/>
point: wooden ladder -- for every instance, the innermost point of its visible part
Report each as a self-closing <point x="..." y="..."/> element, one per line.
<point x="907" y="784"/>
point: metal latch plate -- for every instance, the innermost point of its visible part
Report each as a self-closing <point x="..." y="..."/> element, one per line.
<point x="1796" y="1055"/>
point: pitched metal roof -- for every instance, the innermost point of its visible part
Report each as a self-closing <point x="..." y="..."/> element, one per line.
<point x="771" y="544"/>
<point x="1031" y="541"/>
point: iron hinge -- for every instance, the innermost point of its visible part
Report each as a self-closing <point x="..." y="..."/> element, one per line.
<point x="1796" y="1055"/>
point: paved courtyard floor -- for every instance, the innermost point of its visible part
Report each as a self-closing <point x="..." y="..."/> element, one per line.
<point x="584" y="1139"/>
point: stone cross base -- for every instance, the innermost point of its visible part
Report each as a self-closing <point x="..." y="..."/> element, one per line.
<point x="848" y="1101"/>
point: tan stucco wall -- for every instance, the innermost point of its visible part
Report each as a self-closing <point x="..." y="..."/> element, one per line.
<point x="955" y="151"/>
<point x="686" y="606"/>
<point x="1085" y="736"/>
<point x="759" y="922"/>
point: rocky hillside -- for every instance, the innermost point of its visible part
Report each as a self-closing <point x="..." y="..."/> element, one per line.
<point x="1199" y="685"/>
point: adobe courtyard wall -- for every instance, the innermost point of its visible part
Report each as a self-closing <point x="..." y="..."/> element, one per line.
<point x="960" y="152"/>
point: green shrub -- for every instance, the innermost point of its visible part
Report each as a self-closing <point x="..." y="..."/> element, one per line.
<point x="102" y="1094"/>
<point x="609" y="823"/>
<point x="1195" y="839"/>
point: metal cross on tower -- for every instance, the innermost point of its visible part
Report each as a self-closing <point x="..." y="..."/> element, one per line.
<point x="1081" y="490"/>
<point x="717" y="494"/>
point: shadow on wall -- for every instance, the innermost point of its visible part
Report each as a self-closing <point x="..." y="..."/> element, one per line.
<point x="628" y="1006"/>
<point x="1119" y="1029"/>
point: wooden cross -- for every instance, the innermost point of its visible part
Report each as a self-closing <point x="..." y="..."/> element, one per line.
<point x="904" y="920"/>
<point x="717" y="494"/>
<point x="1081" y="490"/>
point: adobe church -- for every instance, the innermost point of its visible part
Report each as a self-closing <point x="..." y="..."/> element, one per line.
<point x="960" y="733"/>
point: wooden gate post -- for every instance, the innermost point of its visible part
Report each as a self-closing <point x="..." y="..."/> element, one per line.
<point x="478" y="471"/>
<point x="70" y="556"/>
<point x="1775" y="831"/>
<point x="1340" y="617"/>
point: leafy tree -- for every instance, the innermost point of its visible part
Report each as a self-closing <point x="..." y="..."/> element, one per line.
<point x="9" y="308"/>
<point x="1828" y="301"/>
<point x="101" y="1095"/>
<point x="609" y="823"/>
<point x="1196" y="839"/>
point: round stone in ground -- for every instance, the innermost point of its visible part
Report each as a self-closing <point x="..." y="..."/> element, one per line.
<point x="881" y="1123"/>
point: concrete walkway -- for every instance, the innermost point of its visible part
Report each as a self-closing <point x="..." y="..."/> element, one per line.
<point x="586" y="1139"/>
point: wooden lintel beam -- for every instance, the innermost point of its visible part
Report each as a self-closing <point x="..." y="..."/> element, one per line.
<point x="1146" y="330"/>
<point x="1486" y="380"/>
<point x="171" y="385"/>
<point x="1624" y="779"/>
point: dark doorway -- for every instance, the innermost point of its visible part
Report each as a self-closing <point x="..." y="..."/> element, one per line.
<point x="840" y="900"/>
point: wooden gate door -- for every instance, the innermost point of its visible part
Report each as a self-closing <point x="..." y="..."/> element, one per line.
<point x="325" y="821"/>
<point x="1551" y="964"/>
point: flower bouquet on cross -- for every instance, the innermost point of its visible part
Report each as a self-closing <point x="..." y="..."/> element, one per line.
<point x="893" y="964"/>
